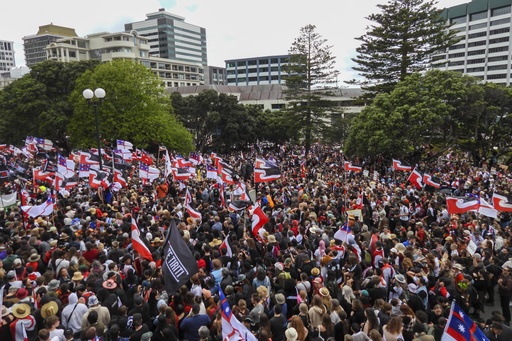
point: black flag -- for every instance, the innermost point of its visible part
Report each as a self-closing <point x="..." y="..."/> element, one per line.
<point x="179" y="263"/>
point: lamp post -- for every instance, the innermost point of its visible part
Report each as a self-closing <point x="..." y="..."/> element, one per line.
<point x="99" y="93"/>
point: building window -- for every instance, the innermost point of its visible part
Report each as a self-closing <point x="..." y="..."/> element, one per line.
<point x="476" y="69"/>
<point x="501" y="76"/>
<point x="456" y="47"/>
<point x="230" y="64"/>
<point x="477" y="35"/>
<point x="499" y="30"/>
<point x="252" y="62"/>
<point x="263" y="61"/>
<point x="457" y="63"/>
<point x="476" y="53"/>
<point x="498" y="40"/>
<point x="478" y="16"/>
<point x="440" y="57"/>
<point x="477" y="26"/>
<point x="276" y="106"/>
<point x="252" y="70"/>
<point x="459" y="20"/>
<point x="500" y="22"/>
<point x="498" y="49"/>
<point x="477" y="43"/>
<point x="476" y="61"/>
<point x="274" y="61"/>
<point x="241" y="63"/>
<point x="263" y="78"/>
<point x="497" y="67"/>
<point x="456" y="55"/>
<point x="500" y="11"/>
<point x="274" y="78"/>
<point x="497" y="58"/>
<point x="253" y="79"/>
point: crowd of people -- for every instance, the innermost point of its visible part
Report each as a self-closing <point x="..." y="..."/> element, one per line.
<point x="402" y="260"/>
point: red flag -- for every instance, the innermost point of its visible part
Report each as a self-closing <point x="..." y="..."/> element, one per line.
<point x="457" y="205"/>
<point x="398" y="165"/>
<point x="348" y="166"/>
<point x="258" y="219"/>
<point x="415" y="179"/>
<point x="427" y="180"/>
<point x="137" y="243"/>
<point x="501" y="203"/>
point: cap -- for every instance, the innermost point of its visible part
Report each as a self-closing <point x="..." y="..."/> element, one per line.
<point x="93" y="300"/>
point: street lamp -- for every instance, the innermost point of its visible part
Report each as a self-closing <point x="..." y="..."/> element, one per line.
<point x="100" y="94"/>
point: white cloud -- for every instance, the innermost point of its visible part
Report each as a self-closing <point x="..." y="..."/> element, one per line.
<point x="234" y="28"/>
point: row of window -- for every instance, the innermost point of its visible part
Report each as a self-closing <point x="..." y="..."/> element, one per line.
<point x="481" y="68"/>
<point x="252" y="79"/>
<point x="257" y="62"/>
<point x="481" y="15"/>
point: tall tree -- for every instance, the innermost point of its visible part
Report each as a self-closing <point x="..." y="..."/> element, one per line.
<point x="400" y="41"/>
<point x="136" y="108"/>
<point x="309" y="74"/>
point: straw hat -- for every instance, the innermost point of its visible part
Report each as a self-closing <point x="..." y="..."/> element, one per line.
<point x="157" y="240"/>
<point x="271" y="238"/>
<point x="315" y="271"/>
<point x="215" y="242"/>
<point x="21" y="310"/>
<point x="49" y="309"/>
<point x="77" y="276"/>
<point x="324" y="291"/>
<point x="34" y="258"/>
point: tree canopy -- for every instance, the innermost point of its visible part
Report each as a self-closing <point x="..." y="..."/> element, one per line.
<point x="136" y="108"/>
<point x="439" y="108"/>
<point x="308" y="76"/>
<point x="400" y="42"/>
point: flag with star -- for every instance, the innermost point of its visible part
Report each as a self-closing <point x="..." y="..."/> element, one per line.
<point x="460" y="327"/>
<point x="232" y="329"/>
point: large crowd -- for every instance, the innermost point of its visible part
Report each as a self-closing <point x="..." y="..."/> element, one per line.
<point x="74" y="275"/>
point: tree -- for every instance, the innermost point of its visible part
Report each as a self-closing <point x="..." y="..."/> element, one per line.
<point x="422" y="109"/>
<point x="37" y="104"/>
<point x="136" y="108"/>
<point x="307" y="75"/>
<point x="400" y="42"/>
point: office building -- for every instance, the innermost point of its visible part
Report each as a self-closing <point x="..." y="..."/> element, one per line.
<point x="215" y="75"/>
<point x="169" y="36"/>
<point x="484" y="51"/>
<point x="35" y="45"/>
<point x="256" y="70"/>
<point x="7" y="61"/>
<point x="7" y="77"/>
<point x="106" y="47"/>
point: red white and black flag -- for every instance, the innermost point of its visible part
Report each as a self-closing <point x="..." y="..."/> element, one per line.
<point x="502" y="202"/>
<point x="227" y="174"/>
<point x="457" y="205"/>
<point x="266" y="171"/>
<point x="179" y="262"/>
<point x="348" y="166"/>
<point x="429" y="180"/>
<point x="415" y="179"/>
<point x="400" y="166"/>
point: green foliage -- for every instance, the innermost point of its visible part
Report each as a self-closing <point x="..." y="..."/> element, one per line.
<point x="309" y="73"/>
<point x="37" y="104"/>
<point x="136" y="108"/>
<point x="400" y="42"/>
<point x="446" y="109"/>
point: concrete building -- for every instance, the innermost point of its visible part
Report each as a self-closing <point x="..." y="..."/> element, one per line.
<point x="7" y="77"/>
<point x="7" y="60"/>
<point x="215" y="75"/>
<point x="272" y="97"/>
<point x="256" y="70"/>
<point x="125" y="45"/>
<point x="169" y="36"/>
<point x="35" y="45"/>
<point x="484" y="51"/>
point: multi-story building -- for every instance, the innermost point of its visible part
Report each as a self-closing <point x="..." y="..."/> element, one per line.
<point x="7" y="61"/>
<point x="35" y="45"/>
<point x="7" y="77"/>
<point x="125" y="45"/>
<point x="215" y="75"/>
<point x="169" y="36"/>
<point x="484" y="51"/>
<point x="256" y="70"/>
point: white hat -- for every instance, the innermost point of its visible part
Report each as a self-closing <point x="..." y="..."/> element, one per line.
<point x="413" y="288"/>
<point x="291" y="334"/>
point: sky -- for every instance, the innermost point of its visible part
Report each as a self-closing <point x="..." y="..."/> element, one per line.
<point x="234" y="28"/>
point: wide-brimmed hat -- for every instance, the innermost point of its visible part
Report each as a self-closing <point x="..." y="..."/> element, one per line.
<point x="157" y="240"/>
<point x="109" y="284"/>
<point x="324" y="291"/>
<point x="315" y="271"/>
<point x="49" y="309"/>
<point x="400" y="278"/>
<point x="291" y="334"/>
<point x="20" y="310"/>
<point x="5" y="311"/>
<point x="271" y="238"/>
<point x="280" y="299"/>
<point x="64" y="236"/>
<point x="77" y="276"/>
<point x="53" y="285"/>
<point x="351" y="217"/>
<point x="458" y="267"/>
<point x="34" y="258"/>
<point x="215" y="242"/>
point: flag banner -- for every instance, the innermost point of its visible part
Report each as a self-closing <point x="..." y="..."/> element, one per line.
<point x="180" y="174"/>
<point x="98" y="178"/>
<point x="348" y="166"/>
<point x="487" y="209"/>
<point x="343" y="233"/>
<point x="148" y="173"/>
<point x="400" y="166"/>
<point x="5" y="175"/>
<point x="168" y="165"/>
<point x="502" y="202"/>
<point x="360" y="201"/>
<point x="43" y="143"/>
<point x="180" y="162"/>
<point x="138" y="244"/>
<point x="125" y="154"/>
<point x="238" y="205"/>
<point x="258" y="220"/>
<point x="89" y="159"/>
<point x="225" y="245"/>
<point x="232" y="329"/>
<point x="228" y="174"/>
<point x="457" y="205"/>
<point x="266" y="170"/>
<point x="179" y="262"/>
<point x="66" y="167"/>
<point x="84" y="170"/>
<point x="428" y="180"/>
<point x="211" y="172"/>
<point x="119" y="178"/>
<point x="7" y="200"/>
<point x="460" y="327"/>
<point x="122" y="144"/>
<point x="45" y="209"/>
<point x="195" y="158"/>
<point x="416" y="179"/>
<point x="189" y="208"/>
<point x="39" y="175"/>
